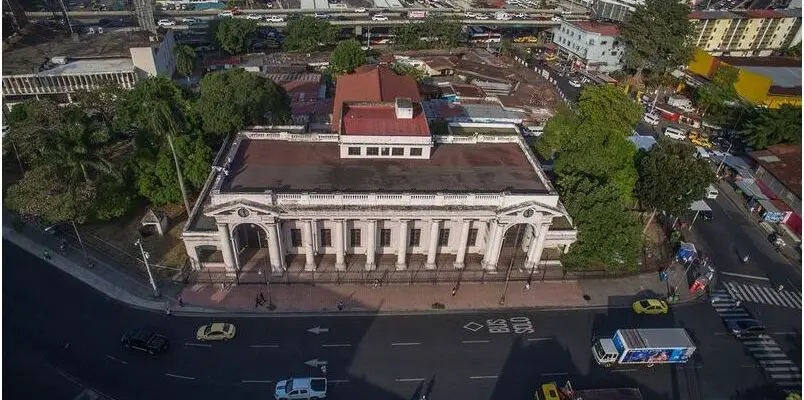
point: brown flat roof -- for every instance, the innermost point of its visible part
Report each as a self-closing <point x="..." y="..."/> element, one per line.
<point x="299" y="166"/>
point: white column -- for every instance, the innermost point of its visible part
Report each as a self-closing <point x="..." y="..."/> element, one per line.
<point x="274" y="254"/>
<point x="461" y="251"/>
<point x="494" y="244"/>
<point x="371" y="244"/>
<point x="536" y="247"/>
<point x="192" y="254"/>
<point x="433" y="249"/>
<point x="402" y="247"/>
<point x="307" y="239"/>
<point x="340" y="265"/>
<point x="491" y="233"/>
<point x="226" y="246"/>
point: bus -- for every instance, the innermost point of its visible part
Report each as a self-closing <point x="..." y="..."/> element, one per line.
<point x="476" y="34"/>
<point x="191" y="3"/>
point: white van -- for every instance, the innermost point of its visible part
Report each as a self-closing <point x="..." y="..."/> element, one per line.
<point x="652" y="119"/>
<point x="675" y="133"/>
<point x="711" y="192"/>
<point x="301" y="389"/>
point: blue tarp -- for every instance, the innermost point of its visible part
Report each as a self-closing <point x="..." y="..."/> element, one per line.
<point x="686" y="252"/>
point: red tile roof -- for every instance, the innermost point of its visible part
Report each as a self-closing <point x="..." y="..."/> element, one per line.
<point x="788" y="167"/>
<point x="301" y="90"/>
<point x="371" y="83"/>
<point x="762" y="14"/>
<point x="317" y="107"/>
<point x="602" y="28"/>
<point x="465" y="90"/>
<point x="380" y="119"/>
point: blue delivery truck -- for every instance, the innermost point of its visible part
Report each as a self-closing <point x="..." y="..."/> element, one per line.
<point x="644" y="346"/>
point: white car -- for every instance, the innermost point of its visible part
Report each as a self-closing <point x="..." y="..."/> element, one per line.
<point x="379" y="17"/>
<point x="360" y="10"/>
<point x="165" y="23"/>
<point x="481" y="17"/>
<point x="575" y="83"/>
<point x="253" y="17"/>
<point x="274" y="18"/>
<point x="301" y="388"/>
<point x="674" y="133"/>
<point x="556" y="19"/>
<point x="225" y="14"/>
<point x="190" y="20"/>
<point x="469" y="14"/>
<point x="521" y="16"/>
<point x="321" y="16"/>
<point x="651" y="119"/>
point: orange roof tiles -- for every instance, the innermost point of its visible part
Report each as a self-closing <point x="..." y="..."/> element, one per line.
<point x="380" y="119"/>
<point x="371" y="83"/>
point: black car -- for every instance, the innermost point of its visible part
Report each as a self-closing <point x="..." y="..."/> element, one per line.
<point x="146" y="341"/>
<point x="746" y="328"/>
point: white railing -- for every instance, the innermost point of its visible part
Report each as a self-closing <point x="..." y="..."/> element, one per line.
<point x="476" y="139"/>
<point x="293" y="137"/>
<point x="494" y="200"/>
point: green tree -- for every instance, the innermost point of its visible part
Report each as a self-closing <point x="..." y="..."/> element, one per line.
<point x="32" y="125"/>
<point x="77" y="148"/>
<point x="234" y="99"/>
<point x="135" y="109"/>
<point x="713" y="97"/>
<point x="347" y="56"/>
<point x="308" y="33"/>
<point x="406" y="69"/>
<point x="656" y="35"/>
<point x="155" y="170"/>
<point x="233" y="34"/>
<point x="766" y="127"/>
<point x="185" y="60"/>
<point x="792" y="51"/>
<point x="671" y="177"/>
<point x="408" y="37"/>
<point x="439" y="127"/>
<point x="48" y="194"/>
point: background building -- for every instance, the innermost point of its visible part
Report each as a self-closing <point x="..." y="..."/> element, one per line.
<point x="778" y="176"/>
<point x="765" y="81"/>
<point x="45" y="63"/>
<point x="594" y="44"/>
<point x="745" y="33"/>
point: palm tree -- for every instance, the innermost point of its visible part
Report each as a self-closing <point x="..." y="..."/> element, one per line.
<point x="163" y="122"/>
<point x="185" y="60"/>
<point x="77" y="148"/>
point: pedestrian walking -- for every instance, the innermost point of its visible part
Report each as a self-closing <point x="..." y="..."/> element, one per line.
<point x="262" y="298"/>
<point x="323" y="369"/>
<point x="181" y="301"/>
<point x="738" y="303"/>
<point x="780" y="288"/>
<point x="167" y="308"/>
<point x="340" y="305"/>
<point x="454" y="290"/>
<point x="46" y="254"/>
<point x="256" y="301"/>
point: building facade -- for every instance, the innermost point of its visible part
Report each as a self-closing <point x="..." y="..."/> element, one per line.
<point x="595" y="45"/>
<point x="380" y="192"/>
<point x="745" y="33"/>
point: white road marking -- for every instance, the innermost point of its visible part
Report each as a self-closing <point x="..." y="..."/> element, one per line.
<point x="409" y="379"/>
<point x="625" y="370"/>
<point x="484" y="377"/>
<point x="338" y="380"/>
<point x="406" y="344"/>
<point x="785" y="376"/>
<point x="198" y="344"/>
<point x="539" y="339"/>
<point x="783" y="333"/>
<point x="270" y="346"/>
<point x="556" y="374"/>
<point x="777" y="369"/>
<point x="257" y="381"/>
<point x="180" y="376"/>
<point x="777" y="362"/>
<point x="116" y="359"/>
<point x="337" y="345"/>
<point x="762" y="278"/>
<point x="769" y="355"/>
<point x="474" y="341"/>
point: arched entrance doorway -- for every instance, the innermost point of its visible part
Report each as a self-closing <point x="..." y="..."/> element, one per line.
<point x="251" y="247"/>
<point x="514" y="249"/>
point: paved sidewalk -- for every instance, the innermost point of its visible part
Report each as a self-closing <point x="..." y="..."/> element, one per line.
<point x="117" y="284"/>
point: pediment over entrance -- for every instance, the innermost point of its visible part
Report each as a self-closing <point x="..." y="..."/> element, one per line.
<point x="241" y="210"/>
<point x="531" y="211"/>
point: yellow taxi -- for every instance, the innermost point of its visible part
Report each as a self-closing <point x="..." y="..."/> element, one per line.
<point x="215" y="331"/>
<point x="702" y="142"/>
<point x="650" y="307"/>
<point x="549" y="391"/>
<point x="526" y="39"/>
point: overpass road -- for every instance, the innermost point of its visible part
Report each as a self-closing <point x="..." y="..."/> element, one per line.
<point x="62" y="339"/>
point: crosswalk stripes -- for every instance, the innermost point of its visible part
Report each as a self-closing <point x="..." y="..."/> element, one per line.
<point x="763" y="294"/>
<point x="779" y="369"/>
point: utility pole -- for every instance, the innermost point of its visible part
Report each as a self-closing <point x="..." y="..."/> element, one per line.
<point x="81" y="242"/>
<point x="510" y="266"/>
<point x="145" y="257"/>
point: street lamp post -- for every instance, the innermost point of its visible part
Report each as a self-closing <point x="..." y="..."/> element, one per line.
<point x="264" y="271"/>
<point x="145" y="257"/>
<point x="81" y="242"/>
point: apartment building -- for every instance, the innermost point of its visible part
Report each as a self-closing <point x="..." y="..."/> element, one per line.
<point x="745" y="33"/>
<point x="47" y="64"/>
<point x="595" y="45"/>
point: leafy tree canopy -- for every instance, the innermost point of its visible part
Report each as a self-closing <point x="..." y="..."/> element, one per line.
<point x="671" y="177"/>
<point x="32" y="125"/>
<point x="433" y="31"/>
<point x="308" y="33"/>
<point x="135" y="110"/>
<point x="185" y="60"/>
<point x="237" y="98"/>
<point x="347" y="57"/>
<point x="46" y="193"/>
<point x="766" y="127"/>
<point x="156" y="172"/>
<point x="655" y="36"/>
<point x="406" y="69"/>
<point x="233" y="34"/>
<point x="713" y="97"/>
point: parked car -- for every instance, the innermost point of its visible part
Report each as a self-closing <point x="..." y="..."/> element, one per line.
<point x="469" y="14"/>
<point x="379" y="17"/>
<point x="216" y="331"/>
<point x="253" y="17"/>
<point x="225" y="14"/>
<point x="481" y="17"/>
<point x="651" y="119"/>
<point x="746" y="328"/>
<point x="146" y="341"/>
<point x="190" y="20"/>
<point x="301" y="388"/>
<point x="360" y="10"/>
<point x="526" y="39"/>
<point x="575" y="82"/>
<point x="674" y="133"/>
<point x="650" y="307"/>
<point x="274" y="18"/>
<point x="321" y="16"/>
<point x="556" y="19"/>
<point x="165" y="23"/>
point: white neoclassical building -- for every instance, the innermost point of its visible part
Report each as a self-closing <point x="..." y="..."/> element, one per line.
<point x="379" y="193"/>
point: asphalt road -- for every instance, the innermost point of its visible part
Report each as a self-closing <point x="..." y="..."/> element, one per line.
<point x="457" y="356"/>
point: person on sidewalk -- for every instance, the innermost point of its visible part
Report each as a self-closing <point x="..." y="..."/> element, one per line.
<point x="181" y="301"/>
<point x="46" y="254"/>
<point x="340" y="305"/>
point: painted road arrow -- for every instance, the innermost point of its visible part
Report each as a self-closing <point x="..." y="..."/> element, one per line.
<point x="315" y="363"/>
<point x="318" y="330"/>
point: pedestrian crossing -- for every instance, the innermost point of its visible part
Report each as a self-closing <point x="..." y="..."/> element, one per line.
<point x="763" y="294"/>
<point x="777" y="366"/>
